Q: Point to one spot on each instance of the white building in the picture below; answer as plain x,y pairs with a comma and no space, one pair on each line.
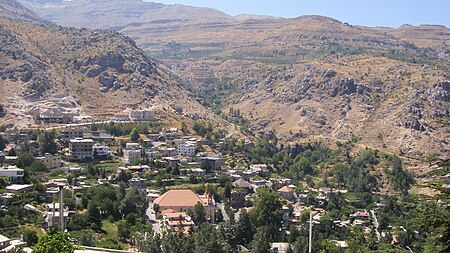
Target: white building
100,150
130,155
141,115
12,172
50,161
187,149
80,148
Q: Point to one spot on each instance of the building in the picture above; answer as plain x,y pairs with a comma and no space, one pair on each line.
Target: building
187,149
131,155
183,200
279,247
54,118
141,115
7,245
98,136
50,161
19,188
174,221
14,174
71,133
80,148
286,192
212,162
260,169
53,215
137,182
100,151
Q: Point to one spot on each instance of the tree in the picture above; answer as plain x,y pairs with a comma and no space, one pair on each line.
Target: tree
2,144
267,211
30,236
123,230
54,242
208,239
198,213
134,135
25,160
244,229
133,202
94,216
46,142
184,127
261,242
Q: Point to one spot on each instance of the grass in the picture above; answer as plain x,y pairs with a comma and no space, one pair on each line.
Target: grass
110,230
352,196
109,167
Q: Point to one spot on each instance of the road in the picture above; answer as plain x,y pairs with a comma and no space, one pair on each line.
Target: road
224,213
376,225
151,216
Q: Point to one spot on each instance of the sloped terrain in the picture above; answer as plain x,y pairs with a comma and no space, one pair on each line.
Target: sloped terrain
100,73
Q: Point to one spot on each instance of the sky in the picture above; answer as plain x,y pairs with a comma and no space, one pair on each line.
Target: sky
389,13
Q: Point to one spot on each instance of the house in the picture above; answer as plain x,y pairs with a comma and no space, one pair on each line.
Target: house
131,155
167,152
71,133
7,197
340,244
242,184
50,161
137,182
212,162
100,151
80,148
286,192
53,215
8,245
187,149
19,188
152,195
99,136
14,174
279,247
362,215
260,169
174,221
183,200
198,171
141,115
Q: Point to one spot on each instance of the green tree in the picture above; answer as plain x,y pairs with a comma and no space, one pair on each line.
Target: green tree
123,230
208,239
30,236
2,143
46,142
94,216
267,211
54,242
261,241
134,135
198,214
24,160
244,229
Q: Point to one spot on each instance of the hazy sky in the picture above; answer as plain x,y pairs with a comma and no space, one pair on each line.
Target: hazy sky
392,13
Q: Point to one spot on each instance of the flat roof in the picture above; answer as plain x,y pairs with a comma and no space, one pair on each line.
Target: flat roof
18,186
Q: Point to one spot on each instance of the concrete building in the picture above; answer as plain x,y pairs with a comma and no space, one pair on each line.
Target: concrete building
81,148
286,192
53,215
14,174
187,149
137,182
19,188
50,161
100,151
131,155
141,115
71,133
212,162
183,200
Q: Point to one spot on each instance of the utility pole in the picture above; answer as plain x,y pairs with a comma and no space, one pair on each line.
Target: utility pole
61,209
310,231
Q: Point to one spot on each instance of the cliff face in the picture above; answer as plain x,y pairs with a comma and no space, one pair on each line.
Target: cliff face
15,10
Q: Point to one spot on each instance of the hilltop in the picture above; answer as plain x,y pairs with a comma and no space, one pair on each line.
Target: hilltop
13,9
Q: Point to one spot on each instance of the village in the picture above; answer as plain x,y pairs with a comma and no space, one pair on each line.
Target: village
176,171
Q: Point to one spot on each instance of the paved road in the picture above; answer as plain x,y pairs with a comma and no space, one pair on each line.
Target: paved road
224,213
151,216
376,225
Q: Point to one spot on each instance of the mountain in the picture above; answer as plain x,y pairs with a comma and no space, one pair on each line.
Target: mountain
84,72
15,10
116,14
306,78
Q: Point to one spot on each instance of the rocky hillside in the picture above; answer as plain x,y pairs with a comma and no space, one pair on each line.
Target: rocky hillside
13,9
96,73
116,14
308,77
